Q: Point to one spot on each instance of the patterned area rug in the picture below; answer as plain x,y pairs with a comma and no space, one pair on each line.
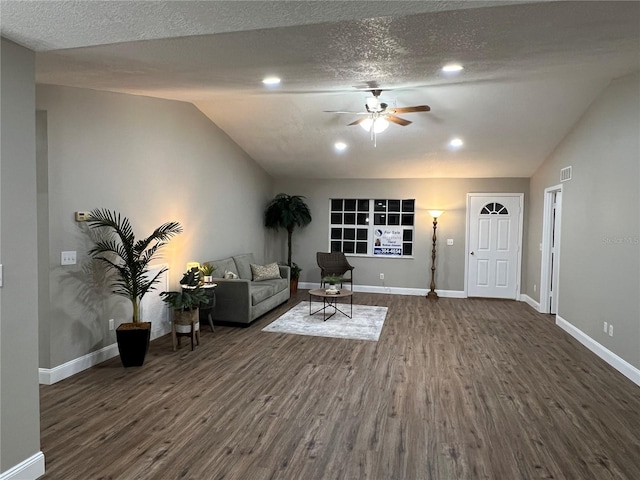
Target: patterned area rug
366,323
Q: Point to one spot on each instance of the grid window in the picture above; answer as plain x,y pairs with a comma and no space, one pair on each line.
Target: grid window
372,227
349,218
350,205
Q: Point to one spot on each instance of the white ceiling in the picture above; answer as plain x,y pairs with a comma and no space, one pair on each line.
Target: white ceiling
531,70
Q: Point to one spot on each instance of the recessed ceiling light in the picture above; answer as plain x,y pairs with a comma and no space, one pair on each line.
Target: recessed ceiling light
340,146
452,67
271,81
456,142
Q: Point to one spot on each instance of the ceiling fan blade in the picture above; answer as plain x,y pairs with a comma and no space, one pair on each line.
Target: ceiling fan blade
341,111
419,108
397,120
357,122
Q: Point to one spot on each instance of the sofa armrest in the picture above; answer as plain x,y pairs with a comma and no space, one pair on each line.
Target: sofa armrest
285,272
233,300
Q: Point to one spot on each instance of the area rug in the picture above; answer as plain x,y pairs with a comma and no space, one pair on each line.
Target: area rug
366,323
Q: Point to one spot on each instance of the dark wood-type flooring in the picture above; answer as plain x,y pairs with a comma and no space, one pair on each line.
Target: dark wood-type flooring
454,389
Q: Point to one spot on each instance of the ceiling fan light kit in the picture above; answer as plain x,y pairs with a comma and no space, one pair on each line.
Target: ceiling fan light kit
378,125
379,115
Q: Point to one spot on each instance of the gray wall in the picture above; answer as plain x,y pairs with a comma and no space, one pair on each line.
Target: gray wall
599,259
154,161
443,194
19,395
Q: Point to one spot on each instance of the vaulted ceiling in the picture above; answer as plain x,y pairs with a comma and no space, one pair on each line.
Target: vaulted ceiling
530,70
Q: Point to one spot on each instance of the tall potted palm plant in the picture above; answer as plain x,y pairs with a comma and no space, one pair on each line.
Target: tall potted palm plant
288,211
129,259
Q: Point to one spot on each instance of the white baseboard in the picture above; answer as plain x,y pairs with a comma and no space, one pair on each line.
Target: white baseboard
392,290
530,301
624,367
29,469
49,376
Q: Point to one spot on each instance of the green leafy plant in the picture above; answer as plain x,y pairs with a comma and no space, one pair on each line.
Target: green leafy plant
191,278
287,211
185,299
207,269
295,270
127,257
332,279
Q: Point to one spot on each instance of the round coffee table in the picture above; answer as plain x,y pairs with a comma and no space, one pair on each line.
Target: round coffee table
330,300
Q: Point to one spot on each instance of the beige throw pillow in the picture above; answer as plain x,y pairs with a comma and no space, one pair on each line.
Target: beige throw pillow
265,272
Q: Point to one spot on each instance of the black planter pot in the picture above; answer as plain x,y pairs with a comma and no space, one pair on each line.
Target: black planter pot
133,343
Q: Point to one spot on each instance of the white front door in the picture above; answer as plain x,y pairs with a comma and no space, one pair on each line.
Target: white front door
494,226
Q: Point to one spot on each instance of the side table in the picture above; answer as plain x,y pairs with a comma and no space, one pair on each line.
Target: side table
206,309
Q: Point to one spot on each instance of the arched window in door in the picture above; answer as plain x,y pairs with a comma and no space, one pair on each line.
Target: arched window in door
494,208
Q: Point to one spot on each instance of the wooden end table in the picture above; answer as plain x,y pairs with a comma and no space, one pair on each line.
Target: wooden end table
330,300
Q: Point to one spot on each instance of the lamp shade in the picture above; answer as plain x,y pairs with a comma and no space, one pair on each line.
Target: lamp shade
191,265
372,103
436,213
380,124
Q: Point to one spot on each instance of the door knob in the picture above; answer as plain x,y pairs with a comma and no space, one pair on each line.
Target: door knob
472,253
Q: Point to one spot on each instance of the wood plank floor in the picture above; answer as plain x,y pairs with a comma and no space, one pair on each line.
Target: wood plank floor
454,389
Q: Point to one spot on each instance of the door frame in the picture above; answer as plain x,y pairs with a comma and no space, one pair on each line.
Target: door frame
547,229
520,233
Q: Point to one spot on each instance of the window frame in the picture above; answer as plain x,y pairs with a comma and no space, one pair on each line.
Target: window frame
353,225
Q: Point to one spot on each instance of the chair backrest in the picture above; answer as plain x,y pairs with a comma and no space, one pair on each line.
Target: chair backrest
334,263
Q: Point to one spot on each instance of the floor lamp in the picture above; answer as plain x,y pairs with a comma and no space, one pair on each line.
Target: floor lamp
432,292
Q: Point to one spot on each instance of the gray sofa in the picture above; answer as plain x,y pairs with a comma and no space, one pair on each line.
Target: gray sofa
240,301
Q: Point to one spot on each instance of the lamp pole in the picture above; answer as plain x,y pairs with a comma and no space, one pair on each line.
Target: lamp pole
432,292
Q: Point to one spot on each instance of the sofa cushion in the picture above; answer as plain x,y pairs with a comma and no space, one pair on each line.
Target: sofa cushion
221,266
265,272
260,292
243,265
278,284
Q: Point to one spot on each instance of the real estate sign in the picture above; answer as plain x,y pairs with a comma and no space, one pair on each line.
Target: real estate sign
387,242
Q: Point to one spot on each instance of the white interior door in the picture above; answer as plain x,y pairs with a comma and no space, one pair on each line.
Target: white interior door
494,226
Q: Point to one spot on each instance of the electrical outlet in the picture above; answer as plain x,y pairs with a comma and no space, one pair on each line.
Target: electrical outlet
82,216
611,330
382,276
535,288
605,327
449,241
111,324
68,258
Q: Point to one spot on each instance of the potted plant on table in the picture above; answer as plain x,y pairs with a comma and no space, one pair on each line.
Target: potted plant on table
288,212
129,259
185,305
332,280
207,271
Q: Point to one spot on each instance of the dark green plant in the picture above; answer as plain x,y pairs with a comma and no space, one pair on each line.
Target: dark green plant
295,270
191,278
287,211
127,257
332,279
185,299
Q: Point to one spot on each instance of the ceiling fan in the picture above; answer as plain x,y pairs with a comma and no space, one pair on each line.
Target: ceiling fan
378,114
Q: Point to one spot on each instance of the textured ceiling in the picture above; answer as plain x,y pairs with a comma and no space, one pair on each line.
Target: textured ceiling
531,70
